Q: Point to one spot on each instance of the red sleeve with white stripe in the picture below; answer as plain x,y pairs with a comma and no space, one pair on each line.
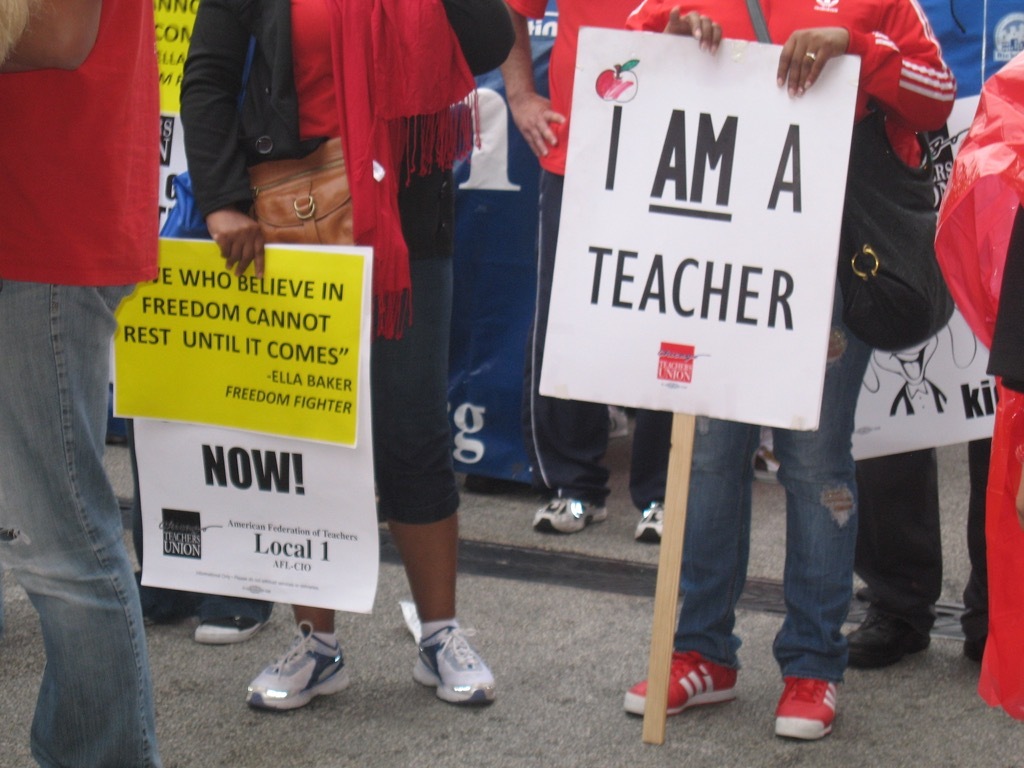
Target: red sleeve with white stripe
902,69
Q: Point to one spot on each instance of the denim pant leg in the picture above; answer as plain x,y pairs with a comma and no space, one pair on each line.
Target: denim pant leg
818,472
61,533
716,547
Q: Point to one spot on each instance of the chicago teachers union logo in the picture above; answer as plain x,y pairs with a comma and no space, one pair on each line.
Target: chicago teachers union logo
182,533
675,363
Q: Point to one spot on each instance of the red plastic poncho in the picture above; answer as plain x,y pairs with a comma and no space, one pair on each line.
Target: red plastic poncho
985,188
975,222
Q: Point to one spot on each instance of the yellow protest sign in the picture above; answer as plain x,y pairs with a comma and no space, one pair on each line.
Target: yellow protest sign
279,355
174,20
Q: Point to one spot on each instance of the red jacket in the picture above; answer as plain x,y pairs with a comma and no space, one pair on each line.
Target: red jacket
902,70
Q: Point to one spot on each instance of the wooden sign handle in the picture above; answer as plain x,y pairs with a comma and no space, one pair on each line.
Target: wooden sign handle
666,593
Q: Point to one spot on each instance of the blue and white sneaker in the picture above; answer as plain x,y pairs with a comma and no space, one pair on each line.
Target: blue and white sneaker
448,662
310,668
565,515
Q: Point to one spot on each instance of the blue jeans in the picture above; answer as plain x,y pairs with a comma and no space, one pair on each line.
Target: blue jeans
817,472
61,534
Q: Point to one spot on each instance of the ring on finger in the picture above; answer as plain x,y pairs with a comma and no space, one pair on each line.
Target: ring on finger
811,55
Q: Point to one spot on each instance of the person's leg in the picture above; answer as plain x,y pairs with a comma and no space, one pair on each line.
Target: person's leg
898,555
416,485
648,471
61,533
418,496
566,439
648,467
899,543
321,619
716,548
974,620
817,470
429,553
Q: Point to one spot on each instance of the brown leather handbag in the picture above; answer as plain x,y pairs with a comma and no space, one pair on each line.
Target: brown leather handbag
306,200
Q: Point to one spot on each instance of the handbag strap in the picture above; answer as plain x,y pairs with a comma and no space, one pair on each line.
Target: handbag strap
757,19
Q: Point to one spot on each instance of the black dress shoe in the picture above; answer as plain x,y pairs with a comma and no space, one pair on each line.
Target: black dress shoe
883,640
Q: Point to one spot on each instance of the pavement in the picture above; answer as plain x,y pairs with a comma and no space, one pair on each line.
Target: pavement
565,623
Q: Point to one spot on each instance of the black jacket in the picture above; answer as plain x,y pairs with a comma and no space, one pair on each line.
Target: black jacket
222,138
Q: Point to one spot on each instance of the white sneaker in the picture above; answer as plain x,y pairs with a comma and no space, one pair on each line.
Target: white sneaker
310,668
450,664
567,516
649,527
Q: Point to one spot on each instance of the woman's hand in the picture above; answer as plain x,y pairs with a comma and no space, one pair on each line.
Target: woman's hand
240,240
693,24
805,53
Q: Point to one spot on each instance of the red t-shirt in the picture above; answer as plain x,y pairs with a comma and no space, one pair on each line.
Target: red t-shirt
572,14
313,69
79,153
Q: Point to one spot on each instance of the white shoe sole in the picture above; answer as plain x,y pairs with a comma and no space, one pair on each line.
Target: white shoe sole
336,682
801,728
480,693
211,634
635,703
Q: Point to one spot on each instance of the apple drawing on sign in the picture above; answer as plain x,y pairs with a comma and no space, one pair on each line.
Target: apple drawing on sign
618,84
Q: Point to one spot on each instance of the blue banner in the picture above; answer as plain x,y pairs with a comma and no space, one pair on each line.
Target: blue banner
495,283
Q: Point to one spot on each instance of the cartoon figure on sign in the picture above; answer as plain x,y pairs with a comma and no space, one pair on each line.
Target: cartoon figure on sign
618,84
911,364
918,392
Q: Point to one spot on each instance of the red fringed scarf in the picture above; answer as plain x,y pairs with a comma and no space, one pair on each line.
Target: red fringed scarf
403,89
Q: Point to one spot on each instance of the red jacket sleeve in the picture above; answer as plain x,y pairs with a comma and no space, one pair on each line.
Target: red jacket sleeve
902,70
649,16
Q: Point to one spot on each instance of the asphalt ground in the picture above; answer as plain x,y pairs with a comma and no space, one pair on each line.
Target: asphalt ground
564,622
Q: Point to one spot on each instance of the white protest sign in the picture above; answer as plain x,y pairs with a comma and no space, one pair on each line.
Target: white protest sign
936,393
254,511
238,513
700,223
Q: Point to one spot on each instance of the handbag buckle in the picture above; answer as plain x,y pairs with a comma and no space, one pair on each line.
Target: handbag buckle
305,210
867,250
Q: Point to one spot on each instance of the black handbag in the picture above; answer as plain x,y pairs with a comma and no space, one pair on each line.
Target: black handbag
894,295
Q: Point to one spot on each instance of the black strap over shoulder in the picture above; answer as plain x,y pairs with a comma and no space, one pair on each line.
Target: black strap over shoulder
757,19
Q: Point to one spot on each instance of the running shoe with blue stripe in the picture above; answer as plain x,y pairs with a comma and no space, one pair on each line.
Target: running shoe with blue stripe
450,664
310,668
